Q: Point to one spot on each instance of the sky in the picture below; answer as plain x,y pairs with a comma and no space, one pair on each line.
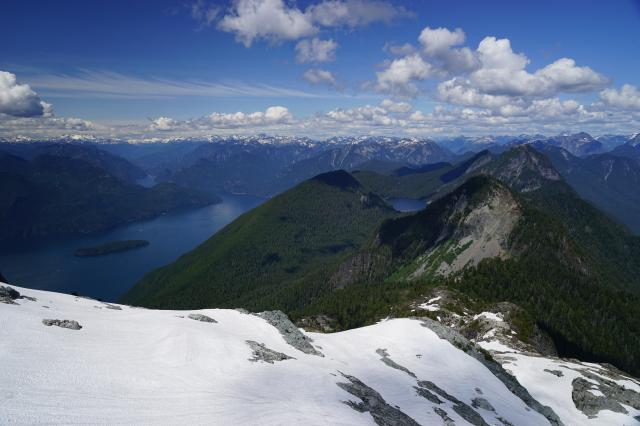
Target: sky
168,68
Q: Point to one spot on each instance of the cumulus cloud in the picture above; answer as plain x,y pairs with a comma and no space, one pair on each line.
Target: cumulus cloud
503,72
400,74
268,19
273,115
628,97
163,124
319,76
274,20
399,49
19,99
316,50
490,76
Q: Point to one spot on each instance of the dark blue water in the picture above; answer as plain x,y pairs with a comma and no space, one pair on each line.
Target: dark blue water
52,265
407,204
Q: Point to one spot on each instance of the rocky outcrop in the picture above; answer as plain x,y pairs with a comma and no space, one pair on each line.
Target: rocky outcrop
320,323
507,379
462,409
264,354
70,324
291,334
372,402
391,363
8,295
203,318
596,394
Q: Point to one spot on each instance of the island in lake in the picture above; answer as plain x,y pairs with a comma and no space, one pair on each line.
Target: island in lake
110,247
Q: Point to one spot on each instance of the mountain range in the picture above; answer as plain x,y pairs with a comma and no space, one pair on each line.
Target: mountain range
64,190
500,228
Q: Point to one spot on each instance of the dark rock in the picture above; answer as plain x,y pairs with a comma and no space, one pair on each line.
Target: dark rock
264,354
70,324
110,306
446,420
556,373
321,323
463,410
383,414
613,395
507,379
289,331
482,403
8,295
203,318
426,394
385,358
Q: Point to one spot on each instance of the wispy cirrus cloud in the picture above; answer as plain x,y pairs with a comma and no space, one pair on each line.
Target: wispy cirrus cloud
108,84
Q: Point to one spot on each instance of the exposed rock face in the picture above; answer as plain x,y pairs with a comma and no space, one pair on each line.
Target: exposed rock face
203,318
70,324
507,379
391,363
482,231
591,398
446,420
383,414
463,410
556,373
482,403
289,331
264,354
321,323
113,307
8,295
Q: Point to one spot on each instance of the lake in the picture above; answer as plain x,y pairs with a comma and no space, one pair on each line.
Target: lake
52,266
407,204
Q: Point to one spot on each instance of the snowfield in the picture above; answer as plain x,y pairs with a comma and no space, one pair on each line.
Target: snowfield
130,365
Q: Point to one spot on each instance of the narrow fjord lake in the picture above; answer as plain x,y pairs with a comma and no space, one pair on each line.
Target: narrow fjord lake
52,265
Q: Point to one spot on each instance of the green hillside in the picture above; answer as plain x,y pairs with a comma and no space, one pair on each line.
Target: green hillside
274,256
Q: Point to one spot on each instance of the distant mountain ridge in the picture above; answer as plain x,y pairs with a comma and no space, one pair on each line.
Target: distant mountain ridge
508,219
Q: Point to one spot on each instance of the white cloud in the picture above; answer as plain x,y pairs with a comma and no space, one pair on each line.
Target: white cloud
399,49
163,124
268,19
19,99
273,115
275,20
436,41
439,46
316,50
399,75
318,76
628,97
503,73
354,13
397,107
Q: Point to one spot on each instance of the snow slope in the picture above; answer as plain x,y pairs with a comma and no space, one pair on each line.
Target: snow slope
138,366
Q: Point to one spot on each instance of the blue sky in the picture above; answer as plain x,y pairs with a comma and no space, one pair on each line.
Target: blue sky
119,65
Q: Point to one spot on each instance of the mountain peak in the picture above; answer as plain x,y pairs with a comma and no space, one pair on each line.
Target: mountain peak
339,178
523,168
